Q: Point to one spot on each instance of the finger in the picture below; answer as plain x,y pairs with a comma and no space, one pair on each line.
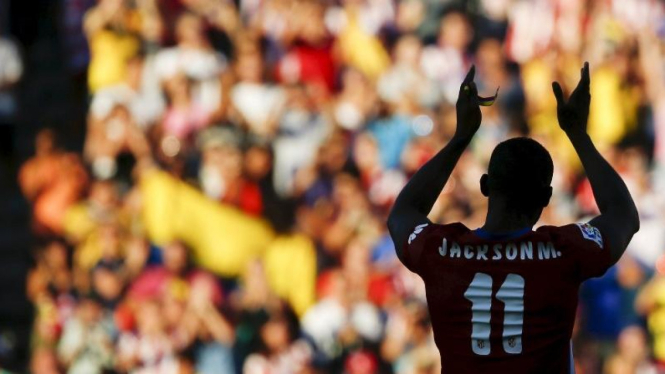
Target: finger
585,75
582,89
470,75
558,93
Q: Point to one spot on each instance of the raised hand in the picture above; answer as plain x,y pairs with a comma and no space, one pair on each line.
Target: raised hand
573,115
468,107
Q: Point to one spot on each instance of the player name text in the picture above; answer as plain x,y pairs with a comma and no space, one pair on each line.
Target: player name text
510,251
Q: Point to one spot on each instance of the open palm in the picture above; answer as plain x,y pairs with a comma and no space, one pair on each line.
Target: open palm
574,113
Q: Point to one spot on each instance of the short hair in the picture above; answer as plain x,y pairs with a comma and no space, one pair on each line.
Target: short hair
521,169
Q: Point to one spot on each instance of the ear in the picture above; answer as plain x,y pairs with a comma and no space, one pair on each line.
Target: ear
484,185
547,195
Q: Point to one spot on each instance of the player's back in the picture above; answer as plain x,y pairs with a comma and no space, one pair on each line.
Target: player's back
504,304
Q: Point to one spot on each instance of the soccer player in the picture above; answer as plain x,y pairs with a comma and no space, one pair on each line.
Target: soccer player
502,297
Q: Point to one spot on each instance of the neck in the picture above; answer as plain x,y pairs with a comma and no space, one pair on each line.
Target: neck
501,219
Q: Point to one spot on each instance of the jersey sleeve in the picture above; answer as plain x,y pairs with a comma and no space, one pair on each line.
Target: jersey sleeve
415,246
588,247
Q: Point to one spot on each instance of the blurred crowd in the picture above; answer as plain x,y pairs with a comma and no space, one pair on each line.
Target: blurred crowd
227,213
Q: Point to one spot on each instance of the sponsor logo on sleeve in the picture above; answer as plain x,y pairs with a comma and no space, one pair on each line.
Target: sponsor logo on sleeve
591,233
417,231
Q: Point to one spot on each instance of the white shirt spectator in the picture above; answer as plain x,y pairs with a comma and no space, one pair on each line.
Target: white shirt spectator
146,107
328,317
301,134
87,348
446,67
203,66
532,25
292,360
373,16
155,354
258,104
401,82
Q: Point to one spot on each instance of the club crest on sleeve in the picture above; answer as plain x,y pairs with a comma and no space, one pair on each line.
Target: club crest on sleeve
591,233
417,231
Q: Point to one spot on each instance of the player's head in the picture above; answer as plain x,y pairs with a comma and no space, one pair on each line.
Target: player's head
520,172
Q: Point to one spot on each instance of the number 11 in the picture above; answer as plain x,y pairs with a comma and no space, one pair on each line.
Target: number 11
511,294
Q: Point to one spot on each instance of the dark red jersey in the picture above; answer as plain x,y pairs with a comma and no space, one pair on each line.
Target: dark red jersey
504,304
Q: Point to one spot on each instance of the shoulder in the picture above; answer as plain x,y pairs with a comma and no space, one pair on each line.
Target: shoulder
429,229
423,238
574,232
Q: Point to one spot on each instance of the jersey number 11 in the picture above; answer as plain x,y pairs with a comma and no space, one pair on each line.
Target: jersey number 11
511,294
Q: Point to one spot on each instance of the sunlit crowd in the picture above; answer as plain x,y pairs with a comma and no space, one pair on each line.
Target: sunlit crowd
227,212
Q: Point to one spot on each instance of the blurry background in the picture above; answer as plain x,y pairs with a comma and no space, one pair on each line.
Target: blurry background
202,185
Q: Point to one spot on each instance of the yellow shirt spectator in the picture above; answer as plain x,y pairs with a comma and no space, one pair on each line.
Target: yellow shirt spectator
112,32
109,53
362,50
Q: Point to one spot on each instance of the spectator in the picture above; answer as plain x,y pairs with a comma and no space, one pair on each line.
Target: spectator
632,355
194,58
404,85
110,27
87,340
359,45
183,116
302,129
221,172
281,350
446,62
251,92
143,102
149,349
52,180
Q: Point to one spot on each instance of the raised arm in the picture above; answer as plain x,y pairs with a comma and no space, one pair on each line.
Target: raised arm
100,16
618,220
415,201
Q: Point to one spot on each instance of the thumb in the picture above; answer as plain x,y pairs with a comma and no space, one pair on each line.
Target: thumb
558,93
